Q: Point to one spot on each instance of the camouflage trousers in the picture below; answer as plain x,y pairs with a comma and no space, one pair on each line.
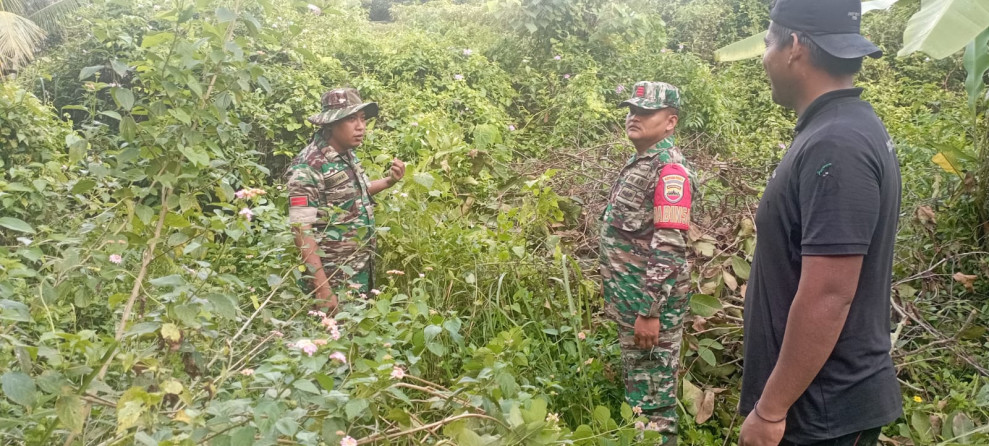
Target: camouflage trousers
651,375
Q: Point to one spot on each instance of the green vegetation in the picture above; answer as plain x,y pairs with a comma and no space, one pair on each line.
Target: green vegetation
139,304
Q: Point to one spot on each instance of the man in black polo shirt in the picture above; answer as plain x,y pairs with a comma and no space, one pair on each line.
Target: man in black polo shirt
817,326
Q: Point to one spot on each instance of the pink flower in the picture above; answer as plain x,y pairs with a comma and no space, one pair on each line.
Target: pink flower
511,128
335,333
566,76
115,258
619,89
317,313
314,9
681,47
557,57
637,410
339,357
397,373
652,426
467,52
782,146
364,296
581,336
348,441
458,77
246,213
662,50
395,272
640,425
307,346
277,333
247,372
375,291
241,194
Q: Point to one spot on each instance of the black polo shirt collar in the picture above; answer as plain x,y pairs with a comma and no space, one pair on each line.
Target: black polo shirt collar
822,102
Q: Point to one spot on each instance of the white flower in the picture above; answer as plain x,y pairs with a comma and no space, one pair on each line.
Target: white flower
581,336
553,418
467,52
421,275
26,241
557,57
115,258
397,373
348,441
511,128
308,347
247,372
637,410
314,9
458,77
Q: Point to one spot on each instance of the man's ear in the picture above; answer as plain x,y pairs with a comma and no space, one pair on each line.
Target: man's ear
797,48
673,120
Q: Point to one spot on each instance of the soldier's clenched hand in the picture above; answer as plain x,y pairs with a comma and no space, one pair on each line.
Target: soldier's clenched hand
646,332
396,172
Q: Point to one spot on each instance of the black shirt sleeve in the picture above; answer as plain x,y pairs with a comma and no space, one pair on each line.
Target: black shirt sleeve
839,186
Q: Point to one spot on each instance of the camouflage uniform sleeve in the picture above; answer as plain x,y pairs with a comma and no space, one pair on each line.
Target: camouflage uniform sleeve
668,247
305,191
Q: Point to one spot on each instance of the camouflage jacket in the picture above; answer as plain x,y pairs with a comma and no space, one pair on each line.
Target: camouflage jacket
330,191
644,235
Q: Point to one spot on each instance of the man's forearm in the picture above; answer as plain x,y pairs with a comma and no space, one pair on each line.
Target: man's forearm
379,185
310,253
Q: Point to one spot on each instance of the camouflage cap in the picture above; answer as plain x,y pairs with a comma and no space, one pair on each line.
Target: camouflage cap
653,96
340,103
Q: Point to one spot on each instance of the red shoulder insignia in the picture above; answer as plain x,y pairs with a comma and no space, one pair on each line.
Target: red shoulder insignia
298,200
672,200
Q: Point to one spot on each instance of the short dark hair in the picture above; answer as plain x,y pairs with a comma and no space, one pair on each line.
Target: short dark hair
780,35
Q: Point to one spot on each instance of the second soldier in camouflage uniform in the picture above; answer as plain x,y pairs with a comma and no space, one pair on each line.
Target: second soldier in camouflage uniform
644,255
330,199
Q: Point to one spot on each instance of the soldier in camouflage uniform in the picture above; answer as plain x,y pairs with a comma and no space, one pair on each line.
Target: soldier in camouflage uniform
644,255
330,199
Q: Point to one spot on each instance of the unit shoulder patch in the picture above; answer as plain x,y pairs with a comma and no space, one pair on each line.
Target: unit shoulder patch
673,199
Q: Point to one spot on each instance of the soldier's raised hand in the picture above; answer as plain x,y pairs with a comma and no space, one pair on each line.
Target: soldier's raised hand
396,172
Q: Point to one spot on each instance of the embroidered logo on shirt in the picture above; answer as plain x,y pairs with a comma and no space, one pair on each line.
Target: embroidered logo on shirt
673,188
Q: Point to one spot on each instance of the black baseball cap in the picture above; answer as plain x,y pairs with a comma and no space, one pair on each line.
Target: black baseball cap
834,25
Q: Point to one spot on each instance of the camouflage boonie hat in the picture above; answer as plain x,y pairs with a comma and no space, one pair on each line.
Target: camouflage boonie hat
653,96
340,103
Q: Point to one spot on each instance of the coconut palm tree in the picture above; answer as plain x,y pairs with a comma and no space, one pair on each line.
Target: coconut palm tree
24,24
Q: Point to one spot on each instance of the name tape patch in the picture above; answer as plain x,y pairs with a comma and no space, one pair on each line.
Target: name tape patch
300,200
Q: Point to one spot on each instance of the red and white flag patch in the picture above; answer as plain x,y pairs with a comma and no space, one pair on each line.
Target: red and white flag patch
672,199
298,200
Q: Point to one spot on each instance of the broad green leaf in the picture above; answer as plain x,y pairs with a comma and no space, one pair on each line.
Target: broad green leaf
13,310
171,280
119,67
69,409
19,388
976,62
89,71
124,97
601,416
82,186
741,267
16,224
693,396
921,423
424,178
77,147
306,386
128,128
951,159
224,15
942,27
155,39
743,49
705,305
355,408
707,355
195,155
961,425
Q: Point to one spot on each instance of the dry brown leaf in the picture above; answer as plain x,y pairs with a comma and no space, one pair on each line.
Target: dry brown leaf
926,215
967,280
730,280
700,323
706,409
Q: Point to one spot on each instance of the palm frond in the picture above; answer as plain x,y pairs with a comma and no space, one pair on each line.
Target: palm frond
19,39
14,6
51,17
